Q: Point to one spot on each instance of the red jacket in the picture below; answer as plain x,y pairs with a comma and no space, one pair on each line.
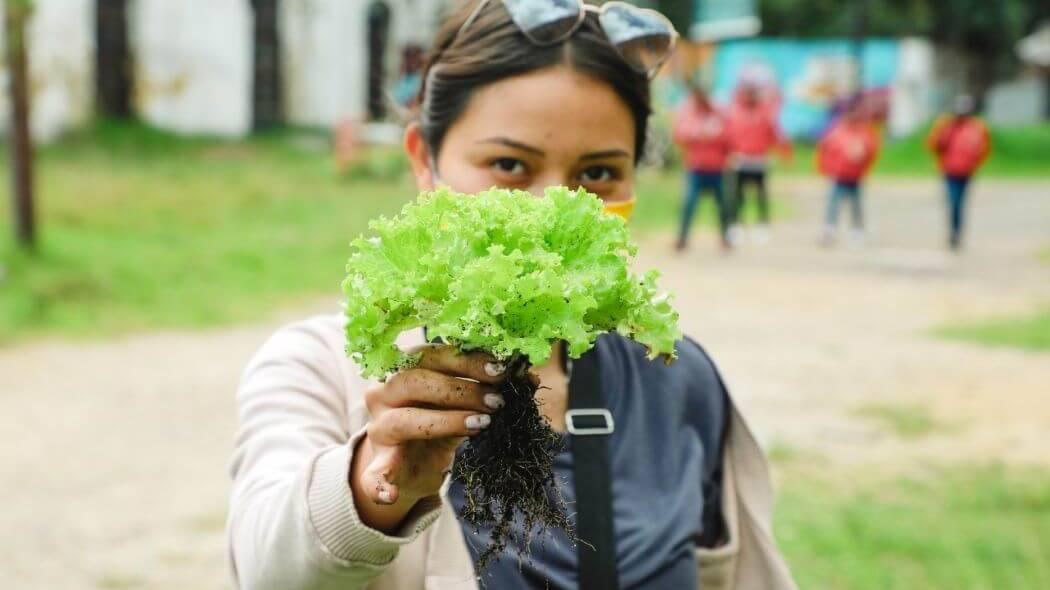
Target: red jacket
848,151
961,145
753,131
701,133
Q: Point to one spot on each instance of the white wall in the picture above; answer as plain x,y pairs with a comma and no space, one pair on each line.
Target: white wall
415,21
1017,102
912,103
325,54
193,61
193,64
61,72
324,60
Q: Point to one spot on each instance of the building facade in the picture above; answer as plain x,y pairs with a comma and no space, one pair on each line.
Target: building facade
192,61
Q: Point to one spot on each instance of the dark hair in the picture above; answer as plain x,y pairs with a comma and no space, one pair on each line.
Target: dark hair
492,48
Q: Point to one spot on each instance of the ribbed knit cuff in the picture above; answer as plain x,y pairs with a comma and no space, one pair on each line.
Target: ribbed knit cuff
337,523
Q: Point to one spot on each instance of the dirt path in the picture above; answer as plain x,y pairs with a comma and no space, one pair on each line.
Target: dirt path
124,485
815,342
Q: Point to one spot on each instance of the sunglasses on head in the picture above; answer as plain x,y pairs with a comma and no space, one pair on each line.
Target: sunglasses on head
644,38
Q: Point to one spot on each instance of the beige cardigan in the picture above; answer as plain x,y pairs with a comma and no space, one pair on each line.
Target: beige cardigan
292,523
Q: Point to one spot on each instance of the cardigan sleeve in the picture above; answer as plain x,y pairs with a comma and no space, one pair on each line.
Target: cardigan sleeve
292,521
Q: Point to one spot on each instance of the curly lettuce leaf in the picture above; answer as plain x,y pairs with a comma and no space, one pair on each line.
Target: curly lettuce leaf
500,271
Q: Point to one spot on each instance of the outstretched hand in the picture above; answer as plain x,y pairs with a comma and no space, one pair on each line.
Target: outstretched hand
419,416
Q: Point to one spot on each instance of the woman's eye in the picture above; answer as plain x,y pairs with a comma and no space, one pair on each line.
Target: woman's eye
597,174
509,166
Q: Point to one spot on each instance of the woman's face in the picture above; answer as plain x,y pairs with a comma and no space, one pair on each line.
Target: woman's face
545,128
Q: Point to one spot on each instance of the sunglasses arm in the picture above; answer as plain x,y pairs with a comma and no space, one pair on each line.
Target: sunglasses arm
473,17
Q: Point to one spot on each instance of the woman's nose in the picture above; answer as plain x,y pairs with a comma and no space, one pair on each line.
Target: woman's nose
554,178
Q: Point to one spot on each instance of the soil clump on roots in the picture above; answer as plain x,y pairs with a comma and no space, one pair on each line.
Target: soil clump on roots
508,469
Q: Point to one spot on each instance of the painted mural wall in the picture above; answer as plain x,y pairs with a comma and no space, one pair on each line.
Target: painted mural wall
814,77
812,80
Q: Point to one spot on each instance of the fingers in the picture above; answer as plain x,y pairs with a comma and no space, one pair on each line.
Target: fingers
474,365
448,396
377,478
400,425
415,387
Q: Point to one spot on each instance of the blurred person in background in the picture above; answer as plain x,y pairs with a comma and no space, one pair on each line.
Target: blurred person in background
341,482
406,87
700,132
753,135
845,155
961,142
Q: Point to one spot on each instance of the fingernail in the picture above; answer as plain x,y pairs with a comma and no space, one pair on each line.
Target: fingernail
494,369
384,496
478,421
494,401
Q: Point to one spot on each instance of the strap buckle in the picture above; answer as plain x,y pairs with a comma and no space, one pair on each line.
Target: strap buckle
589,421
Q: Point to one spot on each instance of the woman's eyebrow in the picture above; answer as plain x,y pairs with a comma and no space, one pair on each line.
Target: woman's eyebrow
514,144
605,154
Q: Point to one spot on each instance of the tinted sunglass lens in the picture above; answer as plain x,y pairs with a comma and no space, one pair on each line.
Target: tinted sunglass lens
644,37
545,21
645,54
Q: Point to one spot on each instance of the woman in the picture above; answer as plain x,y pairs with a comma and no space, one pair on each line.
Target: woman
961,143
700,131
333,487
845,155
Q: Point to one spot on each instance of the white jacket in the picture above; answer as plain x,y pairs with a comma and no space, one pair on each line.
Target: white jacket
292,522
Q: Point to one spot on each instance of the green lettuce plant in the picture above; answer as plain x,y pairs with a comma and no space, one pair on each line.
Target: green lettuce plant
510,274
500,271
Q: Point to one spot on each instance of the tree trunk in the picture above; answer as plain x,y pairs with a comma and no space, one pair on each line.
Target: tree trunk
860,35
378,30
267,107
1046,96
980,77
113,67
16,15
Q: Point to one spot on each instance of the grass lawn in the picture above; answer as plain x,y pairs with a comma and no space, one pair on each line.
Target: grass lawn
1029,332
909,421
979,528
144,230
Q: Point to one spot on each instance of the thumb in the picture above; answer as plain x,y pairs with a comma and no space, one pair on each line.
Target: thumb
381,473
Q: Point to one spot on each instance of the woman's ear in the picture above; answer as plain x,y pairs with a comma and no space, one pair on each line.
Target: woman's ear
419,157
